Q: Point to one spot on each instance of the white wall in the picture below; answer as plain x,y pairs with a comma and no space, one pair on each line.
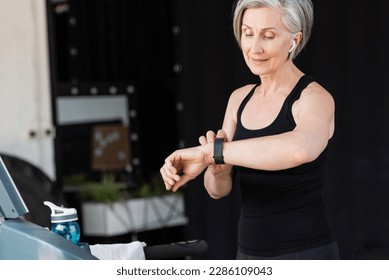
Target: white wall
24,83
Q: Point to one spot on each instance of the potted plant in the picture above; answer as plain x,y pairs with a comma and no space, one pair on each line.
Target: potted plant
103,207
110,208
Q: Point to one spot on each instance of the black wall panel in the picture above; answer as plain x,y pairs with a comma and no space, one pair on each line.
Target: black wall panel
97,45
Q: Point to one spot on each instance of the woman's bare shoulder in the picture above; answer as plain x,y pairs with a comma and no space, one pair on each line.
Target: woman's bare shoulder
318,88
315,98
316,91
241,92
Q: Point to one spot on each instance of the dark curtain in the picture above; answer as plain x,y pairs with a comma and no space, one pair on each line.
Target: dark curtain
347,55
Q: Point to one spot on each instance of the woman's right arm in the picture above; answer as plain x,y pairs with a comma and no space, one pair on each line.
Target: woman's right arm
218,179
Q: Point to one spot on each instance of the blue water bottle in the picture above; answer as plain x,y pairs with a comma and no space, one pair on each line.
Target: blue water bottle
64,222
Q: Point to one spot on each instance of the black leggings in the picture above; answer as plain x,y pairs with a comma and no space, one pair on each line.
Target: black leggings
326,252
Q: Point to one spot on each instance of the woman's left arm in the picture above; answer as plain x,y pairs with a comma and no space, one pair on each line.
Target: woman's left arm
314,117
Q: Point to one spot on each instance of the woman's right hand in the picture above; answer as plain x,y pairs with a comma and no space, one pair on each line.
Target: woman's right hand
217,178
209,137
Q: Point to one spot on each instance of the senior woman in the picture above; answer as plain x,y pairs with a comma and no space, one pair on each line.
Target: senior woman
275,136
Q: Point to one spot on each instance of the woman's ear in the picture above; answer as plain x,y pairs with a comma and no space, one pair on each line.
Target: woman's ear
296,40
293,46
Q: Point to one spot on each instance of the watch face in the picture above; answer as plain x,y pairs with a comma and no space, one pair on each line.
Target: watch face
218,150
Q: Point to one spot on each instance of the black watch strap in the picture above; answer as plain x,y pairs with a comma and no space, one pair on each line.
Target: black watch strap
218,150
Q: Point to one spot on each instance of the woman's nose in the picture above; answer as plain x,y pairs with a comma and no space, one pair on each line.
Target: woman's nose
257,45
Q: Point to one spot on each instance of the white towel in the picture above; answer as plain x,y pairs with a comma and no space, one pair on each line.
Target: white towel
119,251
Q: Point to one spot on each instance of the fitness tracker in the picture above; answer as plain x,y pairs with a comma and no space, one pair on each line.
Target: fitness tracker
218,150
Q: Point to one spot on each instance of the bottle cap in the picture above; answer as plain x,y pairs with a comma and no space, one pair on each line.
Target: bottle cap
61,214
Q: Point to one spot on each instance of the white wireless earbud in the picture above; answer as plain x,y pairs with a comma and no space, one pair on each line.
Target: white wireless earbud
292,48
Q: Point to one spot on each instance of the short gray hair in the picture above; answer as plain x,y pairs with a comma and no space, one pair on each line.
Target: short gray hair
297,16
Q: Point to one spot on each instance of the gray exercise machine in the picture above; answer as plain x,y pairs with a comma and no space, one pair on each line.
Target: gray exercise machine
24,240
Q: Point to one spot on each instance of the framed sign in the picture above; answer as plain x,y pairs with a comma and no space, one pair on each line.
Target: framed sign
110,147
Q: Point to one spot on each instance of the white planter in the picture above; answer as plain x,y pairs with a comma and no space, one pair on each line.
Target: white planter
134,215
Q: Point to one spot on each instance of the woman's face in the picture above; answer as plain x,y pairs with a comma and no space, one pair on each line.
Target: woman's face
265,40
